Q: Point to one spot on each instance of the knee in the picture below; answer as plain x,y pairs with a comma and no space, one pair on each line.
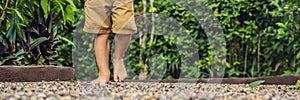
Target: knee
117,57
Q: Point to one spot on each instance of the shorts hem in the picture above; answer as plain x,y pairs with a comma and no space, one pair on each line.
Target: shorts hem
126,32
96,31
109,31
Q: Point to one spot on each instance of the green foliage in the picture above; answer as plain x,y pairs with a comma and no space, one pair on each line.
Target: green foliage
31,31
256,83
83,57
251,86
56,80
288,72
297,85
71,80
262,37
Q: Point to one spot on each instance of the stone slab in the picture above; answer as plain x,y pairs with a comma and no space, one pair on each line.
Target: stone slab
35,73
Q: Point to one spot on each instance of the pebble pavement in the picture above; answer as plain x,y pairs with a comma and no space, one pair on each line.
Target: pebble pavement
81,90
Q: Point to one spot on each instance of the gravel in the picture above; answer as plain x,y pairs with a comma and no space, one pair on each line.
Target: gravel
79,90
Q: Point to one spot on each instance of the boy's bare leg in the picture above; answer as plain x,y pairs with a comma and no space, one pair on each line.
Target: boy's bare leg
102,48
122,42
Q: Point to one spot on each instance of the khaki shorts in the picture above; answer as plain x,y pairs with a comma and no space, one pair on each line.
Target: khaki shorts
109,16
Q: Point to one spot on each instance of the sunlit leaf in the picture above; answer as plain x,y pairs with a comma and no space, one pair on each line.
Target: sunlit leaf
287,73
70,13
66,40
297,84
298,71
71,2
280,32
44,4
281,25
256,83
298,55
19,14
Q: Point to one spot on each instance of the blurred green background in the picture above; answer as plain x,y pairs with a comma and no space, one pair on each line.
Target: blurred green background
262,37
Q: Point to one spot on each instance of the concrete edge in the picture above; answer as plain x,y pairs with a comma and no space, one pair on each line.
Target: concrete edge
11,73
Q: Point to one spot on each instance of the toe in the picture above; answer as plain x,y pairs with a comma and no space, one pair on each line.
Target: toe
121,79
116,78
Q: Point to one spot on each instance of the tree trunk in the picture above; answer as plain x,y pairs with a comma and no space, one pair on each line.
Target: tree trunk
245,60
144,71
152,36
258,53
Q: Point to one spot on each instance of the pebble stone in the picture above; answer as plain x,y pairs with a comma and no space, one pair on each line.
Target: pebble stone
81,90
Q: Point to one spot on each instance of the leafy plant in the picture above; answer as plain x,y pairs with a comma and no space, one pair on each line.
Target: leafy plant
72,80
262,37
251,86
288,72
297,85
256,83
31,30
56,80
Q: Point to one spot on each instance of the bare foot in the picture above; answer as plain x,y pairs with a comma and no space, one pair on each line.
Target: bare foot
119,70
100,80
